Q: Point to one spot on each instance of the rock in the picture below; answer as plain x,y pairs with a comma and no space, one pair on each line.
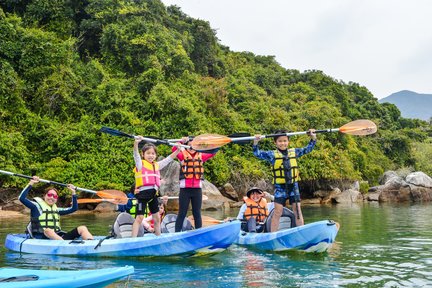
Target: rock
311,201
327,196
419,179
387,176
401,194
419,193
15,205
348,196
229,192
170,184
373,196
105,207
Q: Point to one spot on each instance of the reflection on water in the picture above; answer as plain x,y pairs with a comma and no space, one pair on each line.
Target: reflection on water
377,246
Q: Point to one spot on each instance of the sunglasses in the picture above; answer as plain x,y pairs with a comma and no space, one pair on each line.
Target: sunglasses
52,195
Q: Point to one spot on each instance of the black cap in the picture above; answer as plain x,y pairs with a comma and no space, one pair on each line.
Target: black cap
249,192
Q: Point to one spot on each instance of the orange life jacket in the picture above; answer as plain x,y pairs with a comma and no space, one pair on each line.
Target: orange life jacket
191,166
254,209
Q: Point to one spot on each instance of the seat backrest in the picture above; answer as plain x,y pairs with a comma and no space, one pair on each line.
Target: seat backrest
168,224
287,220
122,227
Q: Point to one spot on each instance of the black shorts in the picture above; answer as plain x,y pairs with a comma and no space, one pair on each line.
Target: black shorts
71,235
147,198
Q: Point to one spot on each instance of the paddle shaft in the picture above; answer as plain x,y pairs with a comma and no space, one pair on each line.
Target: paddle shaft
115,132
46,181
238,139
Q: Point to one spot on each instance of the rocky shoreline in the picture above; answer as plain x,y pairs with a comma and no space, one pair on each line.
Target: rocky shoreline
393,188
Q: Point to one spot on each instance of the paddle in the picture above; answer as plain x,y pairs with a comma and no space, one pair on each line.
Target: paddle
212,141
207,221
115,132
113,194
120,201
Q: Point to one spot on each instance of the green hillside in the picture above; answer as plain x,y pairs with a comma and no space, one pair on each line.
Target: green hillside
411,104
69,67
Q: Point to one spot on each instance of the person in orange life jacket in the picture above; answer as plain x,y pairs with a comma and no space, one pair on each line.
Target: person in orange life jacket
254,211
191,176
45,215
285,174
148,222
147,182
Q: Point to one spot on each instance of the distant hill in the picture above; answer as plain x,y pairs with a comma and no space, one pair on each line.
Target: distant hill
411,104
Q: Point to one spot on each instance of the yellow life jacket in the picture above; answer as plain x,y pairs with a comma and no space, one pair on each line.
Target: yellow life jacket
281,172
254,209
148,176
191,166
132,211
49,218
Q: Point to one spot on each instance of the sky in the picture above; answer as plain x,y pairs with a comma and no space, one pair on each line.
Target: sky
384,45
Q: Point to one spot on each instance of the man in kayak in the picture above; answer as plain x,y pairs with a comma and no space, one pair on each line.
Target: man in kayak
45,215
254,211
285,173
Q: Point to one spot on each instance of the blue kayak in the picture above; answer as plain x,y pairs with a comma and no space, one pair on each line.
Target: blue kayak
22,278
313,237
208,240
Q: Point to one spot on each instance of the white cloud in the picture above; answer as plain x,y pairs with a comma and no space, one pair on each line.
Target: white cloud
384,45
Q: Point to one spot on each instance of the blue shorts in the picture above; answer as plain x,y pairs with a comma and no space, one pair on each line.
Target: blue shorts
289,192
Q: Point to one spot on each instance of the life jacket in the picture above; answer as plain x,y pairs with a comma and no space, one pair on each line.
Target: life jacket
254,209
285,168
132,211
148,176
49,218
191,166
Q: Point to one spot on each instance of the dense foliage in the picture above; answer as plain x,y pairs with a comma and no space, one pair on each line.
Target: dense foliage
69,67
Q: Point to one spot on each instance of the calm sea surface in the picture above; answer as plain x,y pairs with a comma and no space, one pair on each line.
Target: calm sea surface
377,246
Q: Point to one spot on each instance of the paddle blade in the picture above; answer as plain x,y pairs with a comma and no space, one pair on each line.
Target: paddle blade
99,200
209,141
115,132
359,127
89,200
116,195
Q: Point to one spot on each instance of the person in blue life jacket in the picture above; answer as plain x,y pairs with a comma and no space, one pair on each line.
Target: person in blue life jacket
45,215
285,173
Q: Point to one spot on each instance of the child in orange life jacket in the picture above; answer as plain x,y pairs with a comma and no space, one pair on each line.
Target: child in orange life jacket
254,211
285,174
191,178
148,222
147,183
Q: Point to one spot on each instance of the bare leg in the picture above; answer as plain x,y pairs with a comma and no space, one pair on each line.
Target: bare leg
277,213
157,224
85,234
50,233
136,225
298,214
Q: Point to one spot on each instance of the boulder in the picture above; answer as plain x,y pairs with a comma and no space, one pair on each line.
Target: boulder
229,192
326,196
373,196
419,179
387,176
105,207
348,196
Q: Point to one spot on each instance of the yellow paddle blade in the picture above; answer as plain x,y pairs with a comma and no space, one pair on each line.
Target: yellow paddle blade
209,141
359,127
